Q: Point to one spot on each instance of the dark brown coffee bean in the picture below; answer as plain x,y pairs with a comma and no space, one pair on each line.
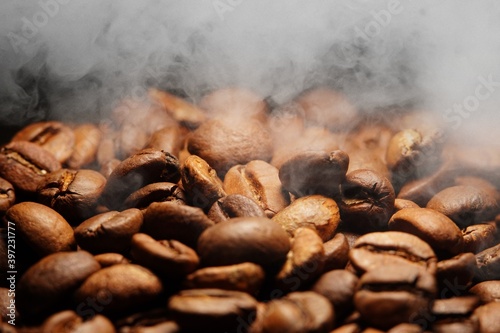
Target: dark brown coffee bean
465,205
259,181
167,258
488,264
109,232
456,272
24,164
156,192
454,315
7,196
304,262
53,136
367,200
234,205
487,291
433,227
478,237
42,228
487,316
377,249
224,144
336,252
169,220
121,288
314,172
200,182
143,168
253,239
315,211
72,193
47,285
393,294
110,259
167,139
339,287
87,140
69,322
247,277
216,309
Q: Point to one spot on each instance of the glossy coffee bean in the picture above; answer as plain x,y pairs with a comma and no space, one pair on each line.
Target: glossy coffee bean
432,226
110,259
167,258
47,285
253,239
234,205
121,288
156,192
487,291
406,328
43,229
478,237
7,196
403,203
24,164
455,315
198,309
336,252
109,232
314,172
488,264
87,139
457,272
487,315
69,322
72,193
315,211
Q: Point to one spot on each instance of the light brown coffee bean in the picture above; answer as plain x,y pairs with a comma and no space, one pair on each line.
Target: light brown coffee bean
406,328
168,139
87,139
487,316
487,291
69,322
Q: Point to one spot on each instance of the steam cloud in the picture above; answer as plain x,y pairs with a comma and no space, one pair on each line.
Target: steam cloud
71,59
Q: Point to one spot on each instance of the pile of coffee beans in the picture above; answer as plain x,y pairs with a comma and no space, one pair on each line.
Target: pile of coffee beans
234,214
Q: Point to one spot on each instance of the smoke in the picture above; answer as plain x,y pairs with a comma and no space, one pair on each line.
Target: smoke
73,60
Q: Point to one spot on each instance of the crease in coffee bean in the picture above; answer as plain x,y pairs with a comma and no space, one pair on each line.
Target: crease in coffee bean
10,154
395,251
45,135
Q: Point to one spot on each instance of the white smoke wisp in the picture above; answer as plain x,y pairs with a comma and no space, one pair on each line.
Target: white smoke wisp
72,59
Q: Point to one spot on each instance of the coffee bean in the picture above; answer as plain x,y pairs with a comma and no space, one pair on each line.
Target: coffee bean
53,136
6,309
403,203
348,328
72,193
314,172
487,316
110,259
24,164
487,291
87,140
465,205
259,181
454,315
253,239
106,150
168,139
478,237
169,220
488,264
384,305
156,192
108,167
367,200
167,258
234,205
406,328
7,196
42,228
315,211
69,322
457,271
216,309
478,182
246,277
336,252
47,285
367,159
121,288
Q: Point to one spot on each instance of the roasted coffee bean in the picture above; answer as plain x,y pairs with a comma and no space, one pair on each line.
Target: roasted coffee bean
304,262
480,183
200,182
234,205
47,285
72,193
455,308
406,328
433,227
315,211
377,249
253,239
143,168
339,287
108,167
259,181
224,144
314,172
296,312
167,139
120,288
53,136
167,258
7,196
87,140
7,310
106,150
247,277
457,271
109,232
216,309
487,291
156,192
487,315
367,159
403,203
488,264
465,205
24,164
367,200
69,322
163,327
348,328
110,259
478,237
389,295
42,228
169,220
336,252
